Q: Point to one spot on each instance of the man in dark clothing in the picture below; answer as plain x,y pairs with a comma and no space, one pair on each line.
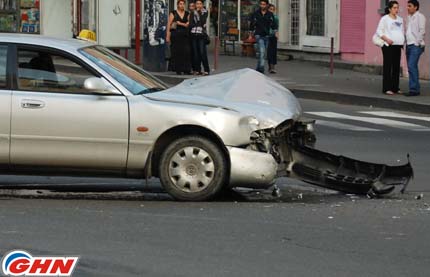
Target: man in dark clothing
262,21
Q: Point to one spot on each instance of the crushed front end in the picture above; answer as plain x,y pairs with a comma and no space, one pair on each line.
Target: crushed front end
292,145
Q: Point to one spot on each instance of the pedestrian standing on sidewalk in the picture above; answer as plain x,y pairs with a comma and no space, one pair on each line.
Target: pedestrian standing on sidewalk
199,39
261,22
191,7
414,45
272,49
391,31
191,10
178,37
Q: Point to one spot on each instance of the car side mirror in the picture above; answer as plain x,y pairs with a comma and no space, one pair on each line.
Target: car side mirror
99,85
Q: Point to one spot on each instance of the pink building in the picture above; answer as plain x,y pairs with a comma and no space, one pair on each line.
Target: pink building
358,22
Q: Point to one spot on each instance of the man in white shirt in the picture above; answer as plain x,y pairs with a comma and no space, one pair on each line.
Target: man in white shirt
414,44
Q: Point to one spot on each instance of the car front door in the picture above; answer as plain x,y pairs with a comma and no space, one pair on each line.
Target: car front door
5,106
57,122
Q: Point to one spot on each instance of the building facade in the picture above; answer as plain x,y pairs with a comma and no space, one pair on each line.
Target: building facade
47,17
305,25
359,20
309,25
358,28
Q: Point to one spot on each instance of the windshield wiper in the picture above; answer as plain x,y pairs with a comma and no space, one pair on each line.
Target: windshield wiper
150,90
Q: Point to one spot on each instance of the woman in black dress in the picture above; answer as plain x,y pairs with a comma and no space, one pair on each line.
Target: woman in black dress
178,37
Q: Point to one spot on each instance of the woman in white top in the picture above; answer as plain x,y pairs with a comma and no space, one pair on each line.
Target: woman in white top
391,30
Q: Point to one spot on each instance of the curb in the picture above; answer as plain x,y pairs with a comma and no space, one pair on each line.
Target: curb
171,80
336,97
362,101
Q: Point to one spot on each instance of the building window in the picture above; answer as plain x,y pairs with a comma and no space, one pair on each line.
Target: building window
295,22
315,14
384,4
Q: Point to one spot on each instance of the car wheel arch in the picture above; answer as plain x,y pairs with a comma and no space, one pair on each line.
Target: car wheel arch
179,131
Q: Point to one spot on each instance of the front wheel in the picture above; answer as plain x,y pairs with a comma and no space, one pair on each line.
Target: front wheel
193,169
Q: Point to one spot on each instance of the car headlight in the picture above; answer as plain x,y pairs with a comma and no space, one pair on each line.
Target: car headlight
252,121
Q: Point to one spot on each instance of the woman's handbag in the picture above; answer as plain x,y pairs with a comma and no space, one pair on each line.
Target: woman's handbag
378,41
207,38
174,26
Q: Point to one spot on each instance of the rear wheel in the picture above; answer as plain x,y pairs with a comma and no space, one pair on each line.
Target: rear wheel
193,169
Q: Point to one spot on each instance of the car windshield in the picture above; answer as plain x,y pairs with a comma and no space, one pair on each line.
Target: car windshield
133,78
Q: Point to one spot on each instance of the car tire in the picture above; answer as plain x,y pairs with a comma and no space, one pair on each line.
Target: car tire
193,168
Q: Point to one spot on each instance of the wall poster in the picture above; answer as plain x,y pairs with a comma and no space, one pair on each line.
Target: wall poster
155,18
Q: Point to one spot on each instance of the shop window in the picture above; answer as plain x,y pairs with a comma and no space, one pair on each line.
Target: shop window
229,20
88,14
247,8
3,65
45,72
9,16
30,16
20,16
315,13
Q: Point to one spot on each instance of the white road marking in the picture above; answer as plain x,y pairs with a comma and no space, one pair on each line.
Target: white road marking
309,85
373,120
344,126
398,115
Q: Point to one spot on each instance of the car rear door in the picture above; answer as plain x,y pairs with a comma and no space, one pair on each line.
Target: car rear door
5,105
57,122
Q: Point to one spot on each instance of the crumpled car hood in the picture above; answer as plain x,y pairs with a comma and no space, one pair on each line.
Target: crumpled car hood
246,91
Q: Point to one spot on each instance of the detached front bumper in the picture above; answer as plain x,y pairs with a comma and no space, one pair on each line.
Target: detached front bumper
292,146
252,169
345,174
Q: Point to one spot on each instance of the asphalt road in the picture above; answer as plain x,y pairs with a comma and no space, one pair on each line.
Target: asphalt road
128,228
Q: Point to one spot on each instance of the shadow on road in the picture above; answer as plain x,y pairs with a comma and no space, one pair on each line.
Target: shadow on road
152,191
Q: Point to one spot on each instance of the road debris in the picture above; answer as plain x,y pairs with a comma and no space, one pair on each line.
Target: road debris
419,196
276,192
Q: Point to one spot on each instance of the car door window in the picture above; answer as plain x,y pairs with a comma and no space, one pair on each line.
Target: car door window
3,65
46,72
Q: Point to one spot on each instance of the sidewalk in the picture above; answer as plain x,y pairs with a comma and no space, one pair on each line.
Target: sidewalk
313,81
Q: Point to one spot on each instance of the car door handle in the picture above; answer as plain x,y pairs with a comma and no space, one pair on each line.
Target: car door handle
32,104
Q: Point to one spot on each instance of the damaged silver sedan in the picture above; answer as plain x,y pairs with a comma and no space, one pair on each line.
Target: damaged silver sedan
74,108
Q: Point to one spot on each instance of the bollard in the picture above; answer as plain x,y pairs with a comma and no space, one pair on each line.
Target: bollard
332,56
137,34
216,54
